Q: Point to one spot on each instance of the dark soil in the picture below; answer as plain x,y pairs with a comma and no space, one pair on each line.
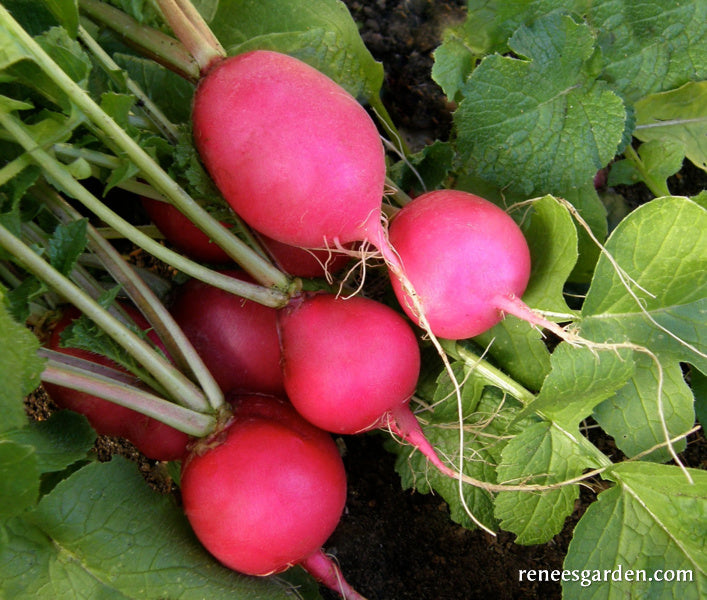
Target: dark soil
394,544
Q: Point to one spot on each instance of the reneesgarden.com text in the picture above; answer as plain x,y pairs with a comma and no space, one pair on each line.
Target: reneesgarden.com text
587,577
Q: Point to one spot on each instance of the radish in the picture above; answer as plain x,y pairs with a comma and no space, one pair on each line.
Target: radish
293,153
266,493
153,438
300,262
351,365
237,339
179,231
466,260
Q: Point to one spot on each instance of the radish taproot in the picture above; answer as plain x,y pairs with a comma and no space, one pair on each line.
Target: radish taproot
466,260
237,339
293,153
352,365
267,491
154,439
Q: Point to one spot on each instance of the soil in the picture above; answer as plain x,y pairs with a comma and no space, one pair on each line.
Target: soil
394,544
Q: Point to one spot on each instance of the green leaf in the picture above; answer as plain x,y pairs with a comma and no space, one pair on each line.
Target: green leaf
11,51
35,17
652,519
66,245
102,533
586,201
67,13
454,61
19,478
542,454
70,57
20,369
485,434
520,349
118,106
636,420
19,299
552,239
541,122
580,379
662,248
425,170
491,22
656,303
444,401
656,161
678,116
319,32
166,89
647,46
61,440
650,46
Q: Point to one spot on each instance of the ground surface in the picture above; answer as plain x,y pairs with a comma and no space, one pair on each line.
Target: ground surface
401,545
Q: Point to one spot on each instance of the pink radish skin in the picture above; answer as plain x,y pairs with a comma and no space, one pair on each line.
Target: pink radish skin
266,492
237,339
351,365
347,362
466,259
294,154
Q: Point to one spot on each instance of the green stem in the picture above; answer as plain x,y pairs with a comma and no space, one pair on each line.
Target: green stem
118,390
386,121
14,168
57,172
150,42
153,112
260,269
176,342
177,385
191,29
658,187
495,376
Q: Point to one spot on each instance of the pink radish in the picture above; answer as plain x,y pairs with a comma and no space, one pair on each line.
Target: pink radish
351,365
467,261
266,493
293,153
237,339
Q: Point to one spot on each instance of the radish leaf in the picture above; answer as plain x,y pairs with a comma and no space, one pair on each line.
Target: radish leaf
653,518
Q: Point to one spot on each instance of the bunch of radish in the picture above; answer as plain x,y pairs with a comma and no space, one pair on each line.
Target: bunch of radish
301,162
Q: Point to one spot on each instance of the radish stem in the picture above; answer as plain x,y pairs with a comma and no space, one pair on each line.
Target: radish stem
176,343
152,43
260,269
119,390
177,385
